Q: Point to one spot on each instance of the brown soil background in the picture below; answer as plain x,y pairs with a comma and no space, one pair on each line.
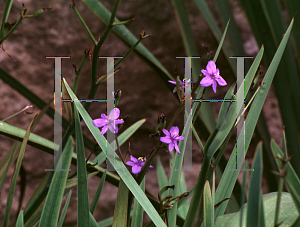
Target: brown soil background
59,33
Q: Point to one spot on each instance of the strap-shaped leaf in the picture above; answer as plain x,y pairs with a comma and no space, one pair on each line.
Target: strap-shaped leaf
56,191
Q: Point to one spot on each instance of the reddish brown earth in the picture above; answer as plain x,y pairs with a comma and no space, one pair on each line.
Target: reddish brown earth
59,33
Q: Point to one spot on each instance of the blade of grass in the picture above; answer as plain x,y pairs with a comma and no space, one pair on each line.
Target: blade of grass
118,165
7,161
82,189
93,221
20,222
253,211
98,193
207,206
15,176
182,211
137,216
120,213
64,211
53,201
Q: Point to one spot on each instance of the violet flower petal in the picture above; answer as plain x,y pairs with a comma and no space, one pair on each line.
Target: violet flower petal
174,130
211,67
177,148
136,169
99,122
166,132
171,147
221,81
114,114
205,73
104,130
206,81
165,139
214,86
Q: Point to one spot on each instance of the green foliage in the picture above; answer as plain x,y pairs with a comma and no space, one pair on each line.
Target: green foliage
280,51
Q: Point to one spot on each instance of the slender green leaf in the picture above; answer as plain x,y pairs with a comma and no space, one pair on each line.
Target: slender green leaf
56,191
120,213
207,205
15,176
82,189
221,42
254,189
64,211
98,193
117,163
137,216
20,222
7,161
93,221
182,211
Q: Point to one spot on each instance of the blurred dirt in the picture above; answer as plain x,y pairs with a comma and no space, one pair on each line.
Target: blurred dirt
58,32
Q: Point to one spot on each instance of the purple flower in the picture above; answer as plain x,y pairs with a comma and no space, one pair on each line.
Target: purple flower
171,138
110,122
136,164
212,76
181,84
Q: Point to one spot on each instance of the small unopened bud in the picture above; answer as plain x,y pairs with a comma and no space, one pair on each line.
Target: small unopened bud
118,96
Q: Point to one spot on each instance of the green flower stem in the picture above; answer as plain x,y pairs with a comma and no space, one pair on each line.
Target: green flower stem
124,22
83,23
4,19
86,54
12,29
128,52
198,192
280,186
94,86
